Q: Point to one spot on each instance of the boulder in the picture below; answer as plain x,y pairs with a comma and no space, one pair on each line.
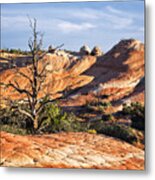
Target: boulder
96,51
85,50
51,49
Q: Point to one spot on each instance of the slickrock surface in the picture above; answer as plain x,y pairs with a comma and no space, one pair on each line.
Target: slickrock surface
69,150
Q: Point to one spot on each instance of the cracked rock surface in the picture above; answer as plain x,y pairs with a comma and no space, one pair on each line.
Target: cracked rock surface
69,150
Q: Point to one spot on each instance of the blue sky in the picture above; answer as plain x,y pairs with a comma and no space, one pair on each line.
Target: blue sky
74,24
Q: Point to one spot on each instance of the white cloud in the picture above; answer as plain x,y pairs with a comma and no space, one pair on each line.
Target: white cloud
113,10
67,26
120,22
85,18
106,17
119,19
88,14
14,22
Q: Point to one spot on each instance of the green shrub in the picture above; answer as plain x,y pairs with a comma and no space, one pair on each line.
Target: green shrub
115,130
102,106
119,131
106,104
13,129
97,105
137,113
107,117
13,118
53,119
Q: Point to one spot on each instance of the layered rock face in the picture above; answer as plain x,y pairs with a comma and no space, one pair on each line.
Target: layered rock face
63,71
69,150
117,75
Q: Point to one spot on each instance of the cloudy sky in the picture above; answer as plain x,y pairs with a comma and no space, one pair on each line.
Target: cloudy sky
74,24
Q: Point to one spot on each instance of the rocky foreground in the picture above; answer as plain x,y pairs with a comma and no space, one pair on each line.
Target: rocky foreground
69,150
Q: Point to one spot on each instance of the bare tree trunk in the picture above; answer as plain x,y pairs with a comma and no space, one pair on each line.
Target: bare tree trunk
35,123
36,79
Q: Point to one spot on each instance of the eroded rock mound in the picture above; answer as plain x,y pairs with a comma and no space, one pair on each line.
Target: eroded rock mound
85,50
116,75
69,150
96,51
63,69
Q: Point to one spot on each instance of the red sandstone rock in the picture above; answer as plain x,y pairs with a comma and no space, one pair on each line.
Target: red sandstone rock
69,150
116,74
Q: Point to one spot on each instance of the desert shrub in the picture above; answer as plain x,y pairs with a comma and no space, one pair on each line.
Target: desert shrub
9,116
12,119
105,104
137,113
89,108
98,105
115,130
15,51
119,131
54,119
101,103
108,117
13,129
102,106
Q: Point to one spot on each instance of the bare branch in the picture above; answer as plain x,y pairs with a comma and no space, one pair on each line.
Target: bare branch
60,46
29,101
26,113
43,105
43,69
25,76
18,89
39,45
31,69
41,57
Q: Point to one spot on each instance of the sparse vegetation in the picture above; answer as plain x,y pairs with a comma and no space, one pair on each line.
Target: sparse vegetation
115,130
16,51
137,114
13,129
98,105
119,131
54,119
108,117
12,120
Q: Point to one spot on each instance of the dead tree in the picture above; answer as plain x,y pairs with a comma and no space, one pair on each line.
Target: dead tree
35,80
